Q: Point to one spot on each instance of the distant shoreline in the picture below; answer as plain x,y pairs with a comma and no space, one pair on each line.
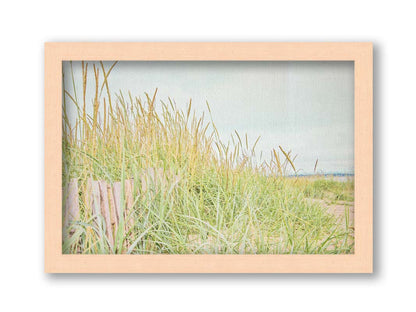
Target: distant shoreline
336,174
341,177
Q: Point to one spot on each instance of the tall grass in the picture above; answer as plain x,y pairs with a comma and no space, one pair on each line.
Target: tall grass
215,197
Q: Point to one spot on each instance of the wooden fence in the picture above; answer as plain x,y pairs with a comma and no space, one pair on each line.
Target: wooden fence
104,199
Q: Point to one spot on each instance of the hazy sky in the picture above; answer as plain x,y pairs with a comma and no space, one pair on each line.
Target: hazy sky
306,107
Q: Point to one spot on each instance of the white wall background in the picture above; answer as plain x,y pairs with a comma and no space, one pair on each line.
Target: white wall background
26,25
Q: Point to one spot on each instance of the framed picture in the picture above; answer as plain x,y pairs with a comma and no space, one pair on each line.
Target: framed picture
208,157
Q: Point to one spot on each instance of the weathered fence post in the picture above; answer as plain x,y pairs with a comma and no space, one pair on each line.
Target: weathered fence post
71,203
105,210
94,189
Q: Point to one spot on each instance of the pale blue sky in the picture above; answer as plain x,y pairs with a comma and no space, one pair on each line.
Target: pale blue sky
307,107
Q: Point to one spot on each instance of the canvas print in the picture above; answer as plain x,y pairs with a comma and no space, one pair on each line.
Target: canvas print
208,157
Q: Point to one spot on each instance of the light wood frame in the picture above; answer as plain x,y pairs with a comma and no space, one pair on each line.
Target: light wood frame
359,262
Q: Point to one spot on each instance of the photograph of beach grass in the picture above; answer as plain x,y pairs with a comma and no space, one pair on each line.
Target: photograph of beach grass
208,157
